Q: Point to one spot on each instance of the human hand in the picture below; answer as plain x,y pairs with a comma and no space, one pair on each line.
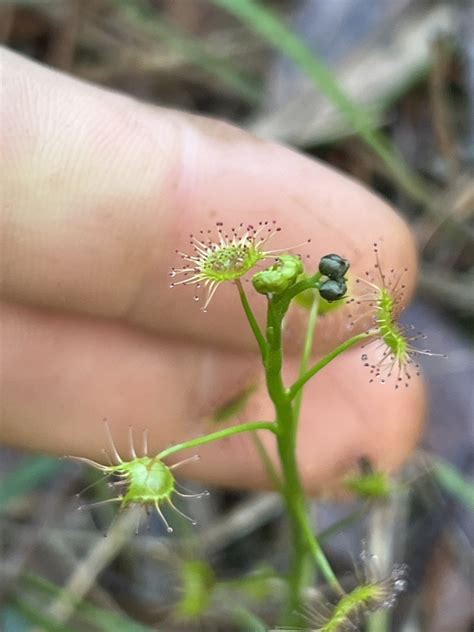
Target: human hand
98,191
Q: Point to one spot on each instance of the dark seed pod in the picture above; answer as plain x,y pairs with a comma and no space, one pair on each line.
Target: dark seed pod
333,266
332,290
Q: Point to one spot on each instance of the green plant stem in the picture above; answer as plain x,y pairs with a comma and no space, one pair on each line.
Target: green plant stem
316,550
303,537
219,434
305,358
286,424
308,347
309,283
259,337
379,621
301,381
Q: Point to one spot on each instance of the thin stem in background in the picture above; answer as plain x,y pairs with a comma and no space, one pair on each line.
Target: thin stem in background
267,462
305,357
308,347
85,574
386,533
344,522
318,554
453,481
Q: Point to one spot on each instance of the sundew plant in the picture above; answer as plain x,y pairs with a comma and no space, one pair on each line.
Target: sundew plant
279,278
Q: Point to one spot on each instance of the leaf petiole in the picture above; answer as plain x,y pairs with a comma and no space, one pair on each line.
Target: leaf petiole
347,344
219,434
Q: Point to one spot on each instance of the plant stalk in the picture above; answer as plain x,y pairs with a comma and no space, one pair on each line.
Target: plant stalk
304,540
259,337
219,434
301,381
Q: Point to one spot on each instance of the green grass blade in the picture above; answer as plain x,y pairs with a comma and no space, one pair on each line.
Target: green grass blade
105,620
454,482
269,26
344,523
231,408
27,476
38,619
248,621
111,621
193,51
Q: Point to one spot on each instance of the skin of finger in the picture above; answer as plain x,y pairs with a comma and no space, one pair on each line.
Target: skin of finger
62,375
101,190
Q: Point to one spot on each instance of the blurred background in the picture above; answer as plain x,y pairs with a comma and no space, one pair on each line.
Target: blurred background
383,90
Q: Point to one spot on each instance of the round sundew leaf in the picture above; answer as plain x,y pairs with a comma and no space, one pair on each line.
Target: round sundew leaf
227,258
149,481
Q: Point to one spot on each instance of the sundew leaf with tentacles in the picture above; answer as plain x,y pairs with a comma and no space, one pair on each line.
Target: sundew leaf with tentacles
383,294
372,593
228,258
144,481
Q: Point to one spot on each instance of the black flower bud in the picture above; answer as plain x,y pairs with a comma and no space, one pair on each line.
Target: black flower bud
333,266
332,290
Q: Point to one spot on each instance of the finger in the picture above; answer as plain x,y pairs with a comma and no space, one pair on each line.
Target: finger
99,192
63,374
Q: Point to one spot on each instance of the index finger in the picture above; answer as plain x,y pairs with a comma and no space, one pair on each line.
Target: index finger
99,191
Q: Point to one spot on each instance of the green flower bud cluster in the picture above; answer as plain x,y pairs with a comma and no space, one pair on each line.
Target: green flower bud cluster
334,267
280,276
